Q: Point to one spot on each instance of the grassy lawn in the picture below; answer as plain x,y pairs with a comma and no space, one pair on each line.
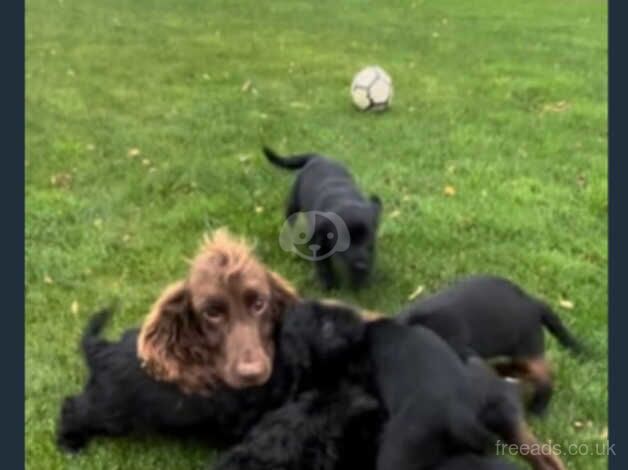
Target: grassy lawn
141,135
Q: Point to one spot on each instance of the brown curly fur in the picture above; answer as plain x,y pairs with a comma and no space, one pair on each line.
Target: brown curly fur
216,325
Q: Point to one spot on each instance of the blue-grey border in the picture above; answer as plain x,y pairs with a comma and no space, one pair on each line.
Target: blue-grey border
12,233
618,232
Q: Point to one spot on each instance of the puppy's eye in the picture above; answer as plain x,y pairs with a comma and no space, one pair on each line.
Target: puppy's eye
259,304
215,311
213,315
255,301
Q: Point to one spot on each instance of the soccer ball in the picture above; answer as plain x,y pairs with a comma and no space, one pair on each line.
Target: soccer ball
372,89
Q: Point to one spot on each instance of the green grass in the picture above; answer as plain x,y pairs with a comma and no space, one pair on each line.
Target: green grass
504,101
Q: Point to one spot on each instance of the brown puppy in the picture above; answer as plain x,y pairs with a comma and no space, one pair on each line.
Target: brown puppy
216,325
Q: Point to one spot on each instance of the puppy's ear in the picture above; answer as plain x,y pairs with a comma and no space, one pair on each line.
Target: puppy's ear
283,294
376,203
170,338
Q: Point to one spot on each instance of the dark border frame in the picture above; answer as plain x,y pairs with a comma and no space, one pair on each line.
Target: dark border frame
618,233
12,203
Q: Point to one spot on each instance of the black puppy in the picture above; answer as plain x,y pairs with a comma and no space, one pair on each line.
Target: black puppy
307,433
494,318
427,394
433,405
121,398
342,223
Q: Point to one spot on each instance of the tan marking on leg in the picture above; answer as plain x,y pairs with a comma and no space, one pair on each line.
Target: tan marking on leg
539,456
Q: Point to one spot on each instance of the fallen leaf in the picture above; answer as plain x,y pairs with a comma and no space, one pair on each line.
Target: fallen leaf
394,214
418,291
581,181
244,158
449,191
297,104
75,307
246,86
558,107
146,162
61,180
133,152
578,424
48,279
259,209
206,76
566,304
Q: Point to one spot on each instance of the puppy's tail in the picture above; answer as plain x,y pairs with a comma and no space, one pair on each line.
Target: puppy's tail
557,328
91,334
291,163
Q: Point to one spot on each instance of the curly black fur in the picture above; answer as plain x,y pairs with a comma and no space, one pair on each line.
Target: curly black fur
307,433
120,398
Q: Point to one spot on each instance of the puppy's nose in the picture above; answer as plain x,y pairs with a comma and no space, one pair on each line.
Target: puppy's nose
251,371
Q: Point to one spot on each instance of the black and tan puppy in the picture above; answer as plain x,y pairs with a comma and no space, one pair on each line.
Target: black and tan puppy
342,222
493,318
500,410
425,390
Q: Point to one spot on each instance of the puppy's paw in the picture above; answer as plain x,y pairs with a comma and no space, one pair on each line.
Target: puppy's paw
71,436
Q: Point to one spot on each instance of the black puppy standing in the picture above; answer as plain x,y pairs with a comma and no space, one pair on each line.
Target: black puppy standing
492,317
325,186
